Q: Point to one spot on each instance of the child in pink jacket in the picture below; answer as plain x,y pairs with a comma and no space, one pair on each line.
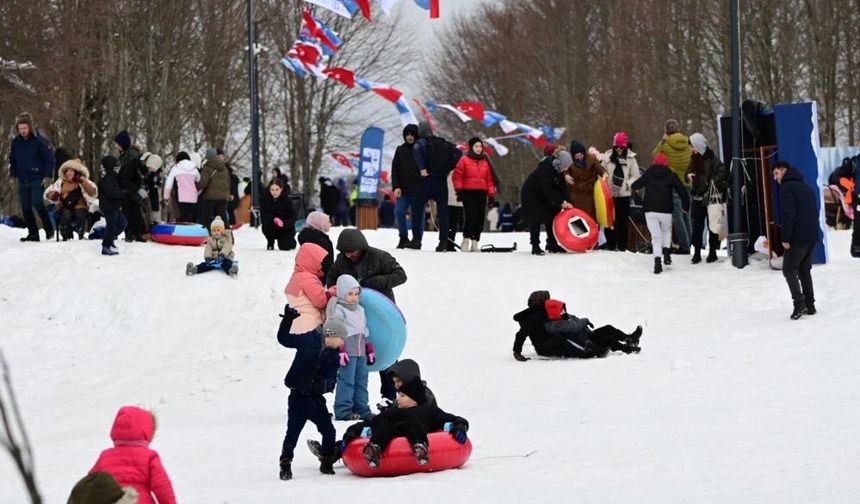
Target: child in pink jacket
131,462
305,291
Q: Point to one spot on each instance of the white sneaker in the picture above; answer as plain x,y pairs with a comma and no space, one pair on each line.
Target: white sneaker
464,245
475,246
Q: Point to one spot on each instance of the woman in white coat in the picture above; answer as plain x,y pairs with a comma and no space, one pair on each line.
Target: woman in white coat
623,169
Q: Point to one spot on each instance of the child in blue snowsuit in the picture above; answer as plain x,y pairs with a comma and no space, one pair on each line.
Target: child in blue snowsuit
350,397
312,374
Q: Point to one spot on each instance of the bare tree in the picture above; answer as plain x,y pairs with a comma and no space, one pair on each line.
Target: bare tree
13,437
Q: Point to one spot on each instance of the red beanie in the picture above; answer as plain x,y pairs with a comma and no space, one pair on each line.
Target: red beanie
554,309
620,140
661,159
549,150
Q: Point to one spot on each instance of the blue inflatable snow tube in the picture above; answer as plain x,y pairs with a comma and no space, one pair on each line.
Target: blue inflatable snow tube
179,233
387,328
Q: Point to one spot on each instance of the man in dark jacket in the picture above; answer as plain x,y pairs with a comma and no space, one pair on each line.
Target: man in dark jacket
312,374
435,158
215,188
800,234
31,163
543,196
131,181
111,197
373,268
406,181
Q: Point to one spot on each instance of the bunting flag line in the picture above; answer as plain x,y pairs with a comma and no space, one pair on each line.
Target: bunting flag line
462,116
345,8
313,28
342,160
387,5
383,90
343,75
431,5
552,134
501,149
425,113
364,5
406,115
474,110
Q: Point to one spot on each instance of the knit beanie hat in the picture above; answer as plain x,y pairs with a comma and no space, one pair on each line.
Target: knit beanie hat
550,149
538,298
577,148
473,141
319,221
563,161
620,140
211,153
335,326
699,142
123,139
661,159
152,161
217,223
415,389
97,488
109,163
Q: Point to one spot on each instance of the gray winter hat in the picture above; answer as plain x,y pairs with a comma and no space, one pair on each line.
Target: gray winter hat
563,161
211,153
335,326
699,142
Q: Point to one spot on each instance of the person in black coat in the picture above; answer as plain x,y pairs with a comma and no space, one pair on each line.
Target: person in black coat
406,182
317,226
278,217
555,333
543,196
111,197
386,213
800,233
312,374
659,182
329,196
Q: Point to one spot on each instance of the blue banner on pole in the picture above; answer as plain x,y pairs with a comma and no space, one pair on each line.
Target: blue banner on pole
370,165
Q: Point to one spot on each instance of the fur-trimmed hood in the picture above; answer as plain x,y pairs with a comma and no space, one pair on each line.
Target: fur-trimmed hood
76,165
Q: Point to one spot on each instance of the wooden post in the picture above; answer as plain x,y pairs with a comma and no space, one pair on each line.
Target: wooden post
367,215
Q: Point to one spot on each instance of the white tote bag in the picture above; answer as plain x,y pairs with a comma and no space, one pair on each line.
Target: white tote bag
717,219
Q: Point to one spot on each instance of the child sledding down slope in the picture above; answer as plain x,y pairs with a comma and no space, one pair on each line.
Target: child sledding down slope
555,333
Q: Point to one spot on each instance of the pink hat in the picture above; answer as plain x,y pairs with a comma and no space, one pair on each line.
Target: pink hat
319,221
620,140
661,159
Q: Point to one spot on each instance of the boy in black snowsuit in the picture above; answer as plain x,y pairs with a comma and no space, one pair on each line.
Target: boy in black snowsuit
312,374
413,418
555,333
111,196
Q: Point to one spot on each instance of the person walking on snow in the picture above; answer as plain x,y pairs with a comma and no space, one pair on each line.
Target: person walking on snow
31,165
705,175
185,175
660,184
406,182
435,157
473,183
800,233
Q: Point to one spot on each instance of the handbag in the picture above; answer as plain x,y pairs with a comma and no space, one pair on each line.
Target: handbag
717,219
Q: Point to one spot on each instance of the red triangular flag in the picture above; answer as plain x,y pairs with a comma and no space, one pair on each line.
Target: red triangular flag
475,110
343,75
389,93
364,5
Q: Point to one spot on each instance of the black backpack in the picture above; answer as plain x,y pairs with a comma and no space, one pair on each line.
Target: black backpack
442,155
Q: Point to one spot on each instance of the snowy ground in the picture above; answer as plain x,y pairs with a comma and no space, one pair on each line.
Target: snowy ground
729,401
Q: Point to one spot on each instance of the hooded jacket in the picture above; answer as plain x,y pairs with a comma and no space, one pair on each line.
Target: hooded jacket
131,462
542,193
131,170
404,171
533,325
353,316
659,182
305,291
314,368
186,176
377,269
30,158
89,191
313,235
214,183
798,210
407,370
677,148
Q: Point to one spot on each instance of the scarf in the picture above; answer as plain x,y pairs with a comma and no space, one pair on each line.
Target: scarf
618,172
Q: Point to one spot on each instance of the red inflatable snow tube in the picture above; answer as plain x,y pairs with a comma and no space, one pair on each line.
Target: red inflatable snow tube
397,459
575,230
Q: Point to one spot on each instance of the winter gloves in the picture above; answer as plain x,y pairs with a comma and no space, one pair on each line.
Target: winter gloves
344,357
371,355
518,356
458,432
588,324
459,196
290,313
278,222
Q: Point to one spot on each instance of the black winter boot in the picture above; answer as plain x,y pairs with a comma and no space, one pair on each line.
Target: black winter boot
536,250
414,244
712,256
798,312
697,256
555,249
442,247
667,256
633,338
327,464
286,470
658,268
402,243
810,309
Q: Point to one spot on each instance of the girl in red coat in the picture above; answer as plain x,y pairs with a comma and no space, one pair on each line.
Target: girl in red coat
474,185
131,462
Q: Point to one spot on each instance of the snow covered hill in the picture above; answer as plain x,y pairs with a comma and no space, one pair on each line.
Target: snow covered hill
729,401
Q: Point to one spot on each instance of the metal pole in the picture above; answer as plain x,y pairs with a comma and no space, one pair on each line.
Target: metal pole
255,119
738,239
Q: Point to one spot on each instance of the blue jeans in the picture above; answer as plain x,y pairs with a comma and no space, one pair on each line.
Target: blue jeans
30,195
350,395
300,409
434,187
681,224
412,204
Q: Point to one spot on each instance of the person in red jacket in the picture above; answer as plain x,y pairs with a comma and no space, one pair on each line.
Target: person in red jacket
474,185
131,462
